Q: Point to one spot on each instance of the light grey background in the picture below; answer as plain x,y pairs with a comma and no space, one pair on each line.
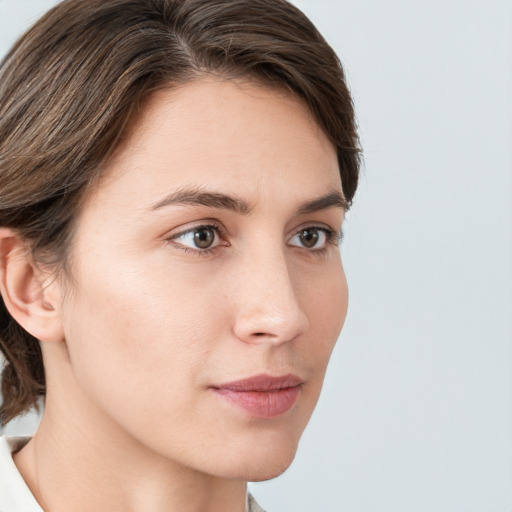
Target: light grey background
416,413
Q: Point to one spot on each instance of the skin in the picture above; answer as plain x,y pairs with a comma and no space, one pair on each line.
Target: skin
150,322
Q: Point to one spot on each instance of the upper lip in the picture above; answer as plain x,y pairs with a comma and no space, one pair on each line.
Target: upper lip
262,383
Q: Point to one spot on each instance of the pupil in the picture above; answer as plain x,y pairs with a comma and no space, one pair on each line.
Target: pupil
204,237
309,237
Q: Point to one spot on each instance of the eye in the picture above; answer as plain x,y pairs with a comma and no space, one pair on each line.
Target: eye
200,237
313,237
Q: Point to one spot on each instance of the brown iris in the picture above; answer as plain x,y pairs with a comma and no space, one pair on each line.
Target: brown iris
309,237
204,237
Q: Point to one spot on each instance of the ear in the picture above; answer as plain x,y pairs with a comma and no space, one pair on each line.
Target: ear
32,302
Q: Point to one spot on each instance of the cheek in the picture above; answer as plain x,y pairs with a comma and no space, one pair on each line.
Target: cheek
325,299
138,335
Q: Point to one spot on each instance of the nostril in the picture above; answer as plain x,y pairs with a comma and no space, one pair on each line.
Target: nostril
264,334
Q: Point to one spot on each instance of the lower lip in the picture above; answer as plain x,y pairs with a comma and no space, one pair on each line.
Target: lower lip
262,404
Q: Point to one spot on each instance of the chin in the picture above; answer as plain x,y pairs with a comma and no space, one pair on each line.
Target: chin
262,461
268,473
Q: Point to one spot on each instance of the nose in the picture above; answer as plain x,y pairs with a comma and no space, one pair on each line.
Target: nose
268,306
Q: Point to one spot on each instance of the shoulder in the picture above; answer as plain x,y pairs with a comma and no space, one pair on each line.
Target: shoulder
15,496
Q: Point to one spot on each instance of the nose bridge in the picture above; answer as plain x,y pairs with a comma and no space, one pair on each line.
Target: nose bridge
269,308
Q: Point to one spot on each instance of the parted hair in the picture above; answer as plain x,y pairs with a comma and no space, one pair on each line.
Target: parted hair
71,83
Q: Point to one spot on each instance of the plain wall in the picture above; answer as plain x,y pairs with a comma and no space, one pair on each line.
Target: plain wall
416,412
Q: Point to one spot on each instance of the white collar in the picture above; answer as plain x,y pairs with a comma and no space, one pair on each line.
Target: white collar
15,496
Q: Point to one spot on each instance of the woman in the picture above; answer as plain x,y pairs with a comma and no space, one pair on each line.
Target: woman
174,176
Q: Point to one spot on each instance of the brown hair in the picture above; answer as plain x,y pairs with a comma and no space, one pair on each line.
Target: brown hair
69,86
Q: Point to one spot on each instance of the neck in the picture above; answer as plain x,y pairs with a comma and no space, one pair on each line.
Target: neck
81,461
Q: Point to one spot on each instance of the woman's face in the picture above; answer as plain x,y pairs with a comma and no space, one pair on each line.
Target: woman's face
208,288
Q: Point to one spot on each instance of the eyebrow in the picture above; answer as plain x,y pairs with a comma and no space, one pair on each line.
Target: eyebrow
199,197
333,199
196,196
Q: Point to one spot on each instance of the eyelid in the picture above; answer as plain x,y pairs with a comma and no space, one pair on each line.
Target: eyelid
190,226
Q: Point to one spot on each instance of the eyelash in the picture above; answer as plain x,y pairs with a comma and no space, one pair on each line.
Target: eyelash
333,238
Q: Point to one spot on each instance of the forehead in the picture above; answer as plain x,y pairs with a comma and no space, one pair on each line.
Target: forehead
221,133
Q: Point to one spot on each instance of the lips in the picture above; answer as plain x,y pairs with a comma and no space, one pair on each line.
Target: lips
262,396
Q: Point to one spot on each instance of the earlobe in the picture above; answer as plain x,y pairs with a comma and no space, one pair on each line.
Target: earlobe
33,305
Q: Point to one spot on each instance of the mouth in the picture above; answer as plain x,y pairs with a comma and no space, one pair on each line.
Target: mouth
262,396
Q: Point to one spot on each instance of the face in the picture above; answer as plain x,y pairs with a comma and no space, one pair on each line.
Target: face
209,290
